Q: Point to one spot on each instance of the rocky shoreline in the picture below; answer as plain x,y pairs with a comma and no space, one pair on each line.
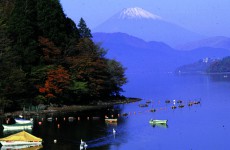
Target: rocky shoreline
72,108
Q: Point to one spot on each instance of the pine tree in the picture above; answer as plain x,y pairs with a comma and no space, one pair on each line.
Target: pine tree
51,21
84,31
23,32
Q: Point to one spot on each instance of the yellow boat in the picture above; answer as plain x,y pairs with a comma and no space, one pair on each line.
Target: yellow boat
111,120
21,138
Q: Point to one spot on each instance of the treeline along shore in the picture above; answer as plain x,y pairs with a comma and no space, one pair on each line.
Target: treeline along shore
70,108
45,58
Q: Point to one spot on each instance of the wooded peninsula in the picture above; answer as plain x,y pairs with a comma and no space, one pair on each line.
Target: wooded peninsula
45,58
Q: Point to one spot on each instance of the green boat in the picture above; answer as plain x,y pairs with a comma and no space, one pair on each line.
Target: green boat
152,121
17,126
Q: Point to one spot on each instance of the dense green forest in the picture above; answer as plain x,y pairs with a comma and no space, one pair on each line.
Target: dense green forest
46,58
220,66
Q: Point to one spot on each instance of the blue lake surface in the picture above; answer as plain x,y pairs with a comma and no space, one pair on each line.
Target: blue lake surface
204,126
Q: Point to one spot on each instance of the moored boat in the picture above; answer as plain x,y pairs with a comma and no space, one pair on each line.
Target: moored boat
21,138
23,121
152,121
111,119
143,105
23,147
17,126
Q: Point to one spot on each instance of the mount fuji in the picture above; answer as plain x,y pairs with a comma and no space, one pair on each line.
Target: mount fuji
147,26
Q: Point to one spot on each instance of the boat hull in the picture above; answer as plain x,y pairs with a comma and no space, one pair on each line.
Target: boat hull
17,126
17,147
111,120
23,121
158,121
7,143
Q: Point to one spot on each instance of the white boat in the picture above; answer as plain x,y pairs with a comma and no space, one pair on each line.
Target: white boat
20,143
17,126
21,138
158,121
24,147
71,119
50,119
23,121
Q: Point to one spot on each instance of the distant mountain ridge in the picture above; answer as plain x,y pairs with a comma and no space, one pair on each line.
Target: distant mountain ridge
214,42
147,26
141,56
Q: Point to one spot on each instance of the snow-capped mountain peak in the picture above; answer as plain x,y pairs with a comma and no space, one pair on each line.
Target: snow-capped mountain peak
137,13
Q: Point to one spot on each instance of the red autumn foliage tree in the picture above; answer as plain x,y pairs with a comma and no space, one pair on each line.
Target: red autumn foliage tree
57,82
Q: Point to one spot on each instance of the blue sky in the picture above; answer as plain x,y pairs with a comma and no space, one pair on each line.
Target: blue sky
207,17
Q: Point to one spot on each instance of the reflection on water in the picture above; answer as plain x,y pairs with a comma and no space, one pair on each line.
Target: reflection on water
21,147
161,125
192,126
220,77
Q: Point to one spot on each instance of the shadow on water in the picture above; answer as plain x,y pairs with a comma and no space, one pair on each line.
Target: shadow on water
220,77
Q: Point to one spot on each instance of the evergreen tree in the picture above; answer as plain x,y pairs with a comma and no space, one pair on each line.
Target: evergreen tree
84,31
52,22
23,32
73,38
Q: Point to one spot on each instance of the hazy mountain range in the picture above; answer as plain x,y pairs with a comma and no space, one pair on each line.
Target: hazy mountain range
145,42
215,42
141,56
147,26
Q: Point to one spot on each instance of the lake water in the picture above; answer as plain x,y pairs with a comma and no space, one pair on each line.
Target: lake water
204,126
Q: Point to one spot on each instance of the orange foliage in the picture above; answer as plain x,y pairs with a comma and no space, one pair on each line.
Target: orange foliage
42,90
50,51
57,81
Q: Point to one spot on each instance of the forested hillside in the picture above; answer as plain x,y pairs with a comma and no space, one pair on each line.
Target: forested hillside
220,66
46,58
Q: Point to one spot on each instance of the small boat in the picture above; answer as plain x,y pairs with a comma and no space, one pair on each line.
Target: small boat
23,121
50,119
125,114
181,106
190,104
17,126
149,101
153,110
167,101
179,101
196,102
21,138
71,119
173,107
95,118
111,120
143,105
158,121
23,147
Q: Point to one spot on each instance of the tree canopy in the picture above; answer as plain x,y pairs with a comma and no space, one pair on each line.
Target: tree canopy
45,57
220,66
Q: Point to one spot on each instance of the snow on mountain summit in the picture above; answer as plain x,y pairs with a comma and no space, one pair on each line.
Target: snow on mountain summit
137,13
